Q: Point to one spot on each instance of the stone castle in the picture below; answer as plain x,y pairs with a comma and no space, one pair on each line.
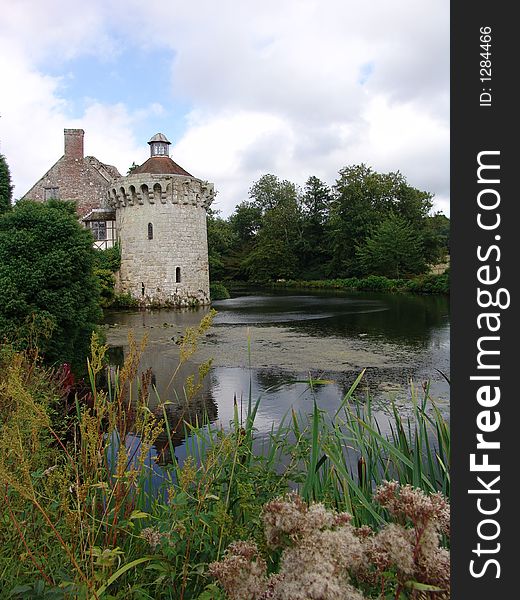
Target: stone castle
157,214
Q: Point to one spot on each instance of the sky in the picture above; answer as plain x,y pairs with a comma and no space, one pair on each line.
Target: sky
240,87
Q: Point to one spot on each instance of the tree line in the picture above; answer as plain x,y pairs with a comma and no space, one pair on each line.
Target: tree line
52,281
367,223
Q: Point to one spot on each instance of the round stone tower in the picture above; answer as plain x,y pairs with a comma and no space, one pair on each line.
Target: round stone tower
161,226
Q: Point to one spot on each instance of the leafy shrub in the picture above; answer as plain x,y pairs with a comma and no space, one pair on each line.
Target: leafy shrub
218,291
47,283
106,282
125,300
376,283
430,284
426,284
109,259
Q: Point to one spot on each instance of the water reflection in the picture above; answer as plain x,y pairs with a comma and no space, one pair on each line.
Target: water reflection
391,317
404,337
168,392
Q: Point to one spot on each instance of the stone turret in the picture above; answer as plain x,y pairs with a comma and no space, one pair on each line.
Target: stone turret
161,225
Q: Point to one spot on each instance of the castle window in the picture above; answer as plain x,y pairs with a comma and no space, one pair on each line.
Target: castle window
150,231
178,275
99,230
50,193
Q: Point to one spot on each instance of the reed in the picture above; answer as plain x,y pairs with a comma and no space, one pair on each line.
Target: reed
83,513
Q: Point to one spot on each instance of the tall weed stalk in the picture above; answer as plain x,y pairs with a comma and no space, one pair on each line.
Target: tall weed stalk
88,523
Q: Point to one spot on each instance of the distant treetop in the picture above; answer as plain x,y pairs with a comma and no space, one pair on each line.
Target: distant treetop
6,188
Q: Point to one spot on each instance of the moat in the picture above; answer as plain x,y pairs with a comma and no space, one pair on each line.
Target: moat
270,343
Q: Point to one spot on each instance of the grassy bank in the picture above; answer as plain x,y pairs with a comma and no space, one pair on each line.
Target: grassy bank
423,284
81,518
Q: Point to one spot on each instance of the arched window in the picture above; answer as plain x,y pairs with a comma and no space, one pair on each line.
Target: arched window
133,193
178,275
150,231
157,192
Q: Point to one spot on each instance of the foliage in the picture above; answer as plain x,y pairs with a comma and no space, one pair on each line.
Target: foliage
324,557
246,221
283,232
6,188
108,259
220,241
132,168
277,245
218,291
84,516
106,282
315,253
29,395
430,284
423,284
364,198
47,286
106,263
124,301
393,249
436,237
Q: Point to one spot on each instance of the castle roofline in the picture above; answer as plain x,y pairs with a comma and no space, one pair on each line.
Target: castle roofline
161,165
159,137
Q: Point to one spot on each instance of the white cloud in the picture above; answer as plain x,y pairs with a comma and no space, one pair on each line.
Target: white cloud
272,87
228,149
58,30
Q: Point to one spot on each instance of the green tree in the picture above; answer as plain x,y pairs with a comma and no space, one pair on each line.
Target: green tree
362,199
394,249
270,191
315,252
47,286
276,251
437,238
6,188
220,243
246,221
132,168
275,254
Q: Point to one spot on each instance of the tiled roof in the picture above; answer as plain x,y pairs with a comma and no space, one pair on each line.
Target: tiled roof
161,165
100,214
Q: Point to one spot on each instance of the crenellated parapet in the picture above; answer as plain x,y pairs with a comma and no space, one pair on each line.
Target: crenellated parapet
146,188
161,225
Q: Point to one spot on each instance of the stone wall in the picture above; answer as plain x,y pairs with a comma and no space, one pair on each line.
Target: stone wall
161,224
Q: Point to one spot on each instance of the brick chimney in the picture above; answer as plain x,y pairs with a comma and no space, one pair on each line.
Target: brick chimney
74,143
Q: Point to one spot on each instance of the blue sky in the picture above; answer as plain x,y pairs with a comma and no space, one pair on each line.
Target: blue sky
295,88
139,77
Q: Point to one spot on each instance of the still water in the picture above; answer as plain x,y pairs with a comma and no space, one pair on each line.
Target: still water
268,344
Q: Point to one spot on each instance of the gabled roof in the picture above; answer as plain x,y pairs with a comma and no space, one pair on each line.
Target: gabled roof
161,165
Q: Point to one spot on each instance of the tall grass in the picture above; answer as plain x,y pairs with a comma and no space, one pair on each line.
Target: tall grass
85,517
